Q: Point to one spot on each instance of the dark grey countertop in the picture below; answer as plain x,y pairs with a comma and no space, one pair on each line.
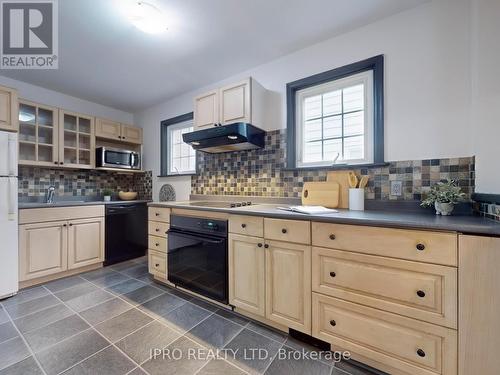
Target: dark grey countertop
71,203
396,219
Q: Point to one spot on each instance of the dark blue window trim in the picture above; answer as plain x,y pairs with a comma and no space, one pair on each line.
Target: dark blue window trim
164,155
376,64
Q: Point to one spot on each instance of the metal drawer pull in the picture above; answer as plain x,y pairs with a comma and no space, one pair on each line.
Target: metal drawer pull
332,237
157,214
157,229
333,274
157,244
266,246
259,244
421,353
420,246
157,265
243,225
333,323
421,293
283,231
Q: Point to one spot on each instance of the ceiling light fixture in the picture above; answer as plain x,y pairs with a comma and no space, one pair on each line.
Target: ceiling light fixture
147,18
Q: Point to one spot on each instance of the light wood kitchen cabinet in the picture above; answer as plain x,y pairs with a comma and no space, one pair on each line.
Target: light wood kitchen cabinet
55,241
113,130
76,140
479,305
243,101
8,109
288,285
235,103
395,343
85,242
247,284
42,249
108,129
38,134
206,110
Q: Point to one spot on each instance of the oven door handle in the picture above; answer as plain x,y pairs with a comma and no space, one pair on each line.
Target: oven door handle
197,237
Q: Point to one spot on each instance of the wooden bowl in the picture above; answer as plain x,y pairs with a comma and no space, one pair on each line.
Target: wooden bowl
127,195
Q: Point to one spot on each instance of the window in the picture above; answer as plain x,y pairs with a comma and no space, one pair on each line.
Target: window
177,157
337,115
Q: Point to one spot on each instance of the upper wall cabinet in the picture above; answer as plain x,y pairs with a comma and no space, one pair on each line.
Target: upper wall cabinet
76,140
8,109
113,130
38,134
239,102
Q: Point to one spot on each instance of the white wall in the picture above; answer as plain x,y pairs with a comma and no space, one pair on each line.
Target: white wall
485,119
428,84
53,98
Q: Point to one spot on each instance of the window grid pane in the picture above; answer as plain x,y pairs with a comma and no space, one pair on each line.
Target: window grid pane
182,156
334,122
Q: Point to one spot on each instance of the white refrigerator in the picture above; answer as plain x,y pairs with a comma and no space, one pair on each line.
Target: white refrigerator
9,269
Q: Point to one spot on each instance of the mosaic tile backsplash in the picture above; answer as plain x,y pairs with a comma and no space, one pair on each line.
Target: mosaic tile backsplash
34,182
489,210
263,173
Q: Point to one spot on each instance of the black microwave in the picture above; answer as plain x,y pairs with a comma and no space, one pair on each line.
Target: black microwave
108,157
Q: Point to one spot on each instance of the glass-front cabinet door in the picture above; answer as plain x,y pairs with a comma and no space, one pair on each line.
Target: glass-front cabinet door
76,140
38,134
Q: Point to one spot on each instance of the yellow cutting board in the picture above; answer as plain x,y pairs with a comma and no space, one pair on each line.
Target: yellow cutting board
342,178
324,194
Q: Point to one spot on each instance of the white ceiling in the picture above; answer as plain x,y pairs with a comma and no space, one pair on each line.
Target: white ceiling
103,58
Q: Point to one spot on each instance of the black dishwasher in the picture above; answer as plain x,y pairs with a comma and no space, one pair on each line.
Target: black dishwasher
126,232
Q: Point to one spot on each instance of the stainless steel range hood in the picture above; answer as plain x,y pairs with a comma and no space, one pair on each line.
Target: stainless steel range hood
234,137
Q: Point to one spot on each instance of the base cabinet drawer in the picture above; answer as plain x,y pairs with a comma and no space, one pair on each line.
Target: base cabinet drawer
418,290
161,214
157,228
246,225
158,243
417,245
396,343
157,263
288,230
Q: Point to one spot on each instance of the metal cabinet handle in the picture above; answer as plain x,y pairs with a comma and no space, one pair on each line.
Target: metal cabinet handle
64,225
284,230
259,244
333,274
420,353
157,244
333,323
243,225
157,265
266,246
70,224
420,246
157,229
332,237
157,214
421,293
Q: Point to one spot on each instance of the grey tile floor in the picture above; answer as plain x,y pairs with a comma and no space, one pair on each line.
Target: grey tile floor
107,321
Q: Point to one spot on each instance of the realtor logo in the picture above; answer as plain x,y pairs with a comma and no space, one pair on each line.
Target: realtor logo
29,37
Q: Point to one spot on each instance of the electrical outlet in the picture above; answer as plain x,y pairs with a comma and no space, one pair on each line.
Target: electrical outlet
397,188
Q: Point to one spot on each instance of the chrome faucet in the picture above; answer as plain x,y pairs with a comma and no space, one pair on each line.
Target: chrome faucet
49,198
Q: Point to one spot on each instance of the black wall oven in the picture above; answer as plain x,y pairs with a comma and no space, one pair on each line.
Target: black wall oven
198,256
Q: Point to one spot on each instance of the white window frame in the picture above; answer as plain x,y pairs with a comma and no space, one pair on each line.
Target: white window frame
170,148
366,78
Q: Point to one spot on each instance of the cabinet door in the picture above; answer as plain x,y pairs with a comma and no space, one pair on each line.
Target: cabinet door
206,110
288,285
235,103
246,273
85,242
38,134
42,249
8,109
131,134
76,140
108,129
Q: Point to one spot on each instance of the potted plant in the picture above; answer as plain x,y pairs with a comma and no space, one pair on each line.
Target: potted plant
443,196
107,193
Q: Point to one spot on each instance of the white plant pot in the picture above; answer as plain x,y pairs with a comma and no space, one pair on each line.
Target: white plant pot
444,209
357,199
107,198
